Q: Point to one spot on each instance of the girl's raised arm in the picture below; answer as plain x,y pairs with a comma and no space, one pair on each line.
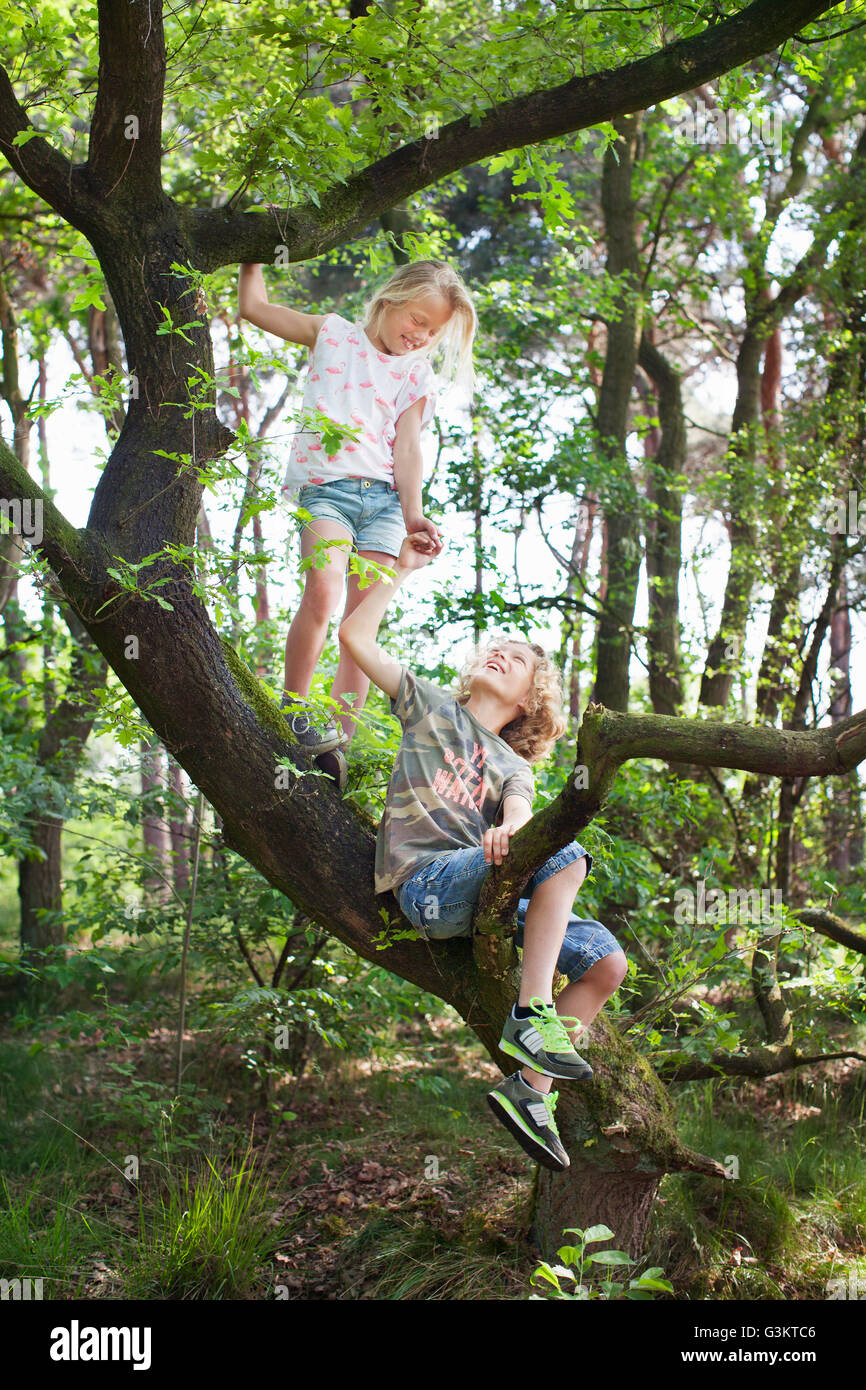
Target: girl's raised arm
254,305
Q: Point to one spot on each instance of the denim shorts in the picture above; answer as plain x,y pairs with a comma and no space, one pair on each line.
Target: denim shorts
440,898
370,511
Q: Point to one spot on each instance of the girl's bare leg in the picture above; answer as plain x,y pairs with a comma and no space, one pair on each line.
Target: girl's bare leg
323,589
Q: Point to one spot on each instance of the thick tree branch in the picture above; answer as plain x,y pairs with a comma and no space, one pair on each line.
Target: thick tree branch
765,1061
36,161
68,551
225,237
607,739
828,924
126,133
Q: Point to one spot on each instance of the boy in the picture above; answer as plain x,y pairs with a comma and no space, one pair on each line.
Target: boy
463,760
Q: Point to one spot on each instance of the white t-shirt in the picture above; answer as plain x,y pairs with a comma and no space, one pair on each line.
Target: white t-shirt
353,383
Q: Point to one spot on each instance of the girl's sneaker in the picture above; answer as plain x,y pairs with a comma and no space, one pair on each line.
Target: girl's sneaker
309,735
542,1042
528,1115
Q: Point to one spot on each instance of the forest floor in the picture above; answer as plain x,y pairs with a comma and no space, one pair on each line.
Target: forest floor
388,1178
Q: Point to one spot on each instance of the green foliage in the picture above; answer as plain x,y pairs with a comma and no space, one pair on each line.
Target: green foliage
572,1278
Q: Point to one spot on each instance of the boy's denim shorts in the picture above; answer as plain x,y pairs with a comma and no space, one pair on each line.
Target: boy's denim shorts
369,509
440,898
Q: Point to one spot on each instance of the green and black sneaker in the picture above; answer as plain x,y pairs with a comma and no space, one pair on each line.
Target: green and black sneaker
529,1115
542,1042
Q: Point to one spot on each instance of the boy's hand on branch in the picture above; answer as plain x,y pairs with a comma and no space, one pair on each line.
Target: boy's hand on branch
495,841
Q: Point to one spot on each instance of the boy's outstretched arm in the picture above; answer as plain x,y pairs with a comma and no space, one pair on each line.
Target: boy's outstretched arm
358,631
254,305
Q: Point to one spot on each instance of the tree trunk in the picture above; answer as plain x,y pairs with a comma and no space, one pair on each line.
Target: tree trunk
664,542
61,743
614,635
583,1197
619,1132
39,889
155,834
180,829
841,823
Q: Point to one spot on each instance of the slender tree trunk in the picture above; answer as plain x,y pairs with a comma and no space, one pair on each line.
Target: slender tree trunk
622,526
61,742
180,828
155,833
666,463
842,820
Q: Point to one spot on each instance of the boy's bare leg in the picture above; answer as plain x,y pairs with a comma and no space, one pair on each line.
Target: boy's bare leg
323,589
543,934
544,930
349,674
584,997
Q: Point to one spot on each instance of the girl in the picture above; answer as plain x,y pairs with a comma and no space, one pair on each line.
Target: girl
375,377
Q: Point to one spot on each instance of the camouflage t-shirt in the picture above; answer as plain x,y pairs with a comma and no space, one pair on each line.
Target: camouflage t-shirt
449,781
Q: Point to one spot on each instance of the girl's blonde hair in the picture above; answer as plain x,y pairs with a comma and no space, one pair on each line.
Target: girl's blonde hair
533,733
420,278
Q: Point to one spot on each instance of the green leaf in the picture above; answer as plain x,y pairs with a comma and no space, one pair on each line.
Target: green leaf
611,1257
597,1233
544,1271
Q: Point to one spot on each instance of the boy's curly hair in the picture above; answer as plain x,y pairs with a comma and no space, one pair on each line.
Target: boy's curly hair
532,734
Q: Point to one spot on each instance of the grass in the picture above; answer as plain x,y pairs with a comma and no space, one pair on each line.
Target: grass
795,1216
204,1235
